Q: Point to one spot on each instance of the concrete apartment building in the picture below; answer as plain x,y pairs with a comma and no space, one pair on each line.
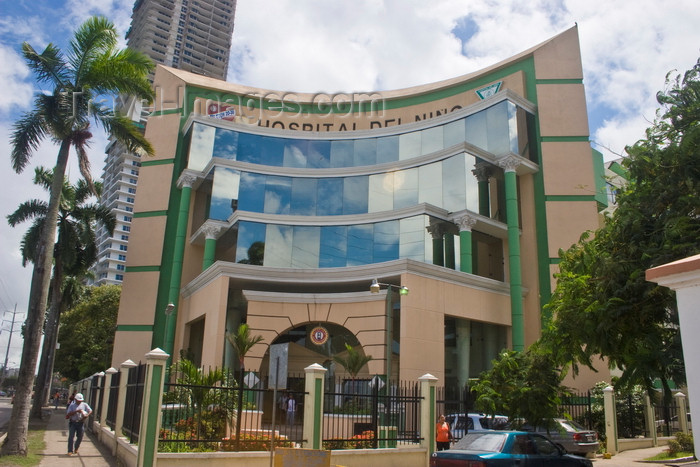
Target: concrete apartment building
194,35
281,213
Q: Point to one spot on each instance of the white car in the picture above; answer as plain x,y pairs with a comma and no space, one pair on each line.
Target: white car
461,423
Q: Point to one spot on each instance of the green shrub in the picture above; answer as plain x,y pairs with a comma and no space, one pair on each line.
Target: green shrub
685,440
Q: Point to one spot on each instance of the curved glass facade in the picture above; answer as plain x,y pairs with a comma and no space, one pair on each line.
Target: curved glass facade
499,129
448,182
296,246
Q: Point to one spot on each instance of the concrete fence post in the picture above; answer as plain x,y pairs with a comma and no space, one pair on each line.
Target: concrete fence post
313,405
610,419
109,372
121,402
650,419
682,403
149,428
428,417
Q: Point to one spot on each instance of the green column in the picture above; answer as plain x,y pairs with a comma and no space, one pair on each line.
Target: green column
466,256
178,254
450,259
436,231
483,173
149,428
510,164
211,233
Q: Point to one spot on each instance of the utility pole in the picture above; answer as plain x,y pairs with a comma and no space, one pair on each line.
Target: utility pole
7,352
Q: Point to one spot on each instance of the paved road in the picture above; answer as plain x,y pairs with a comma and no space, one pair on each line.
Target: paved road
5,412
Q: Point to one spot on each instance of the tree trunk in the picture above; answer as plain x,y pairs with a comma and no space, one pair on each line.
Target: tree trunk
43,377
16,442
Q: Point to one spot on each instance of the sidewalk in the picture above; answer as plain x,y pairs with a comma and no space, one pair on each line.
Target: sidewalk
635,458
92,453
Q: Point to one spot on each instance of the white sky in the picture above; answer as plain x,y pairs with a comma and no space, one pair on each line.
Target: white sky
627,48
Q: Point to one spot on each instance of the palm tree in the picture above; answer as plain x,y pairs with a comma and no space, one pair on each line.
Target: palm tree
242,342
93,66
353,362
75,251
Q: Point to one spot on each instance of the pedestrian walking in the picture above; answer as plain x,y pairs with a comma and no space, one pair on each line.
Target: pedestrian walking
77,413
291,410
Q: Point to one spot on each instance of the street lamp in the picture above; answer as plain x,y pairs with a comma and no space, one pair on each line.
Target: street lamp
374,287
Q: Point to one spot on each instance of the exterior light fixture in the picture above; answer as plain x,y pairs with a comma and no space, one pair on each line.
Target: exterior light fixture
374,287
169,309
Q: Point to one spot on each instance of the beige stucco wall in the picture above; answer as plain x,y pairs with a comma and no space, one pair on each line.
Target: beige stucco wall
209,302
559,58
153,188
567,220
423,316
568,169
364,319
528,259
562,110
146,252
136,307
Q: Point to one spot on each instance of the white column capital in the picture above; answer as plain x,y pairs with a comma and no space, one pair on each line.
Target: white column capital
466,223
509,163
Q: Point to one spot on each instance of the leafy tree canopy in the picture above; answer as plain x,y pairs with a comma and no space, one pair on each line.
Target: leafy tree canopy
602,305
86,334
525,386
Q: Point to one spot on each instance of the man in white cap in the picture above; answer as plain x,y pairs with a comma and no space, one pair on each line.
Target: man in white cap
78,411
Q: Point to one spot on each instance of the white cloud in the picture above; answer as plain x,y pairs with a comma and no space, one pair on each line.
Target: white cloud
16,92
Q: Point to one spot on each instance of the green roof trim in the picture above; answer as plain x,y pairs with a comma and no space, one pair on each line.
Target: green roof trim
599,174
150,214
564,139
142,268
617,168
135,327
560,81
158,113
367,104
157,162
556,198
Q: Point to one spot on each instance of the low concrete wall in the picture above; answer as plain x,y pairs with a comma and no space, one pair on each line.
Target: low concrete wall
124,451
640,443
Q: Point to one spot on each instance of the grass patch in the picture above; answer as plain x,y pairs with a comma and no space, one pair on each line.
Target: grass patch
665,456
35,446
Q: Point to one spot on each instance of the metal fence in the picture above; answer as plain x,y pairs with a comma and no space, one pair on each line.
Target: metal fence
217,410
110,419
579,407
666,419
133,402
367,414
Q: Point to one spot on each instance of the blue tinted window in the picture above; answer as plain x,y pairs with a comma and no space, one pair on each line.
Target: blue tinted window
319,154
295,153
304,196
365,152
359,245
272,151
251,243
330,197
342,153
334,246
386,241
225,142
252,192
355,192
387,149
249,148
278,194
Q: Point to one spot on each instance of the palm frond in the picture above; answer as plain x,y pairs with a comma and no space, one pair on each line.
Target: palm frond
48,66
122,71
123,130
92,38
28,210
27,133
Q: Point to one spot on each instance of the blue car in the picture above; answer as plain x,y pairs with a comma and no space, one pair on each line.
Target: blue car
506,448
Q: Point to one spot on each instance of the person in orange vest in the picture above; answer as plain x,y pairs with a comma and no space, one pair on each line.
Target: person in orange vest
443,434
